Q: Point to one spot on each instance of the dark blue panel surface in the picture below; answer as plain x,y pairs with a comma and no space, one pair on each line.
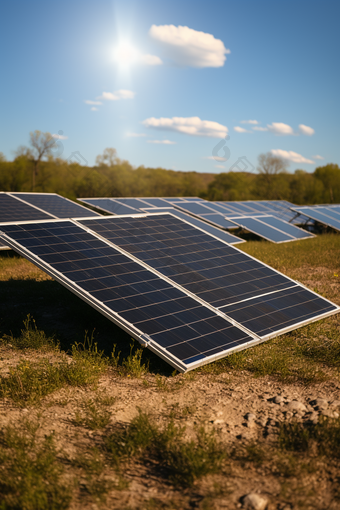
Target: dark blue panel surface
173,320
259,228
289,229
108,205
267,314
12,209
212,270
59,206
316,214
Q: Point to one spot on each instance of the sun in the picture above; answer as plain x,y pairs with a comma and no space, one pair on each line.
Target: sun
126,54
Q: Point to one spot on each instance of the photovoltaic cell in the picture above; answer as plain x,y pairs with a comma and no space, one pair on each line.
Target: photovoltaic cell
56,205
215,272
179,328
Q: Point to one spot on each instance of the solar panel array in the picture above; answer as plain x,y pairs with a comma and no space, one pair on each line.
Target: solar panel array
38,206
186,295
124,206
328,215
271,228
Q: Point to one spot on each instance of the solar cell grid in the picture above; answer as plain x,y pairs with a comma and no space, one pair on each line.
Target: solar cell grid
56,205
12,209
258,227
110,205
127,292
199,263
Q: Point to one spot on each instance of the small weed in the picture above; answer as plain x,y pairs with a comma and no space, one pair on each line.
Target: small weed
28,382
31,337
132,365
94,414
185,461
324,437
30,474
92,463
250,452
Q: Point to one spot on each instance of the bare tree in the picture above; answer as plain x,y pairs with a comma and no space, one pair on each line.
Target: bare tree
42,144
271,165
108,158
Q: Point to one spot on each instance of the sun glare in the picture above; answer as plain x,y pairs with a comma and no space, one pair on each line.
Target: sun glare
126,54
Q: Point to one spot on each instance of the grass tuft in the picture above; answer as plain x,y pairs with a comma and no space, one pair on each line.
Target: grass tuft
185,461
30,338
30,476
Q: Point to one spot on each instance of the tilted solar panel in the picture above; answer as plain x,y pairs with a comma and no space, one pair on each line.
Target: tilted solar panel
59,207
268,232
285,227
169,284
216,273
109,205
210,229
318,214
177,327
12,209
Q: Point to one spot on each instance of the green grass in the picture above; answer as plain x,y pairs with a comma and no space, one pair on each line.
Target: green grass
30,381
30,338
325,250
322,438
30,475
184,461
94,413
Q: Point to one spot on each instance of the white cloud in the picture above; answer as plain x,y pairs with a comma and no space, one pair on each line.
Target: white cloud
188,47
88,101
239,129
258,128
94,109
291,156
215,158
135,135
317,157
220,166
117,95
306,130
193,126
249,122
60,137
165,142
279,128
151,60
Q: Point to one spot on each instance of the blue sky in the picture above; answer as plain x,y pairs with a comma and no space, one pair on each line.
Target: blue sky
173,79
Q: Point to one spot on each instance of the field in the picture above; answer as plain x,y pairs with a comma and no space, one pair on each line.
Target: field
89,420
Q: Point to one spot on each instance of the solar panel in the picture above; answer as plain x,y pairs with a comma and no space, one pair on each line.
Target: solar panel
285,227
203,212
268,232
177,327
155,202
210,229
12,209
319,214
168,284
59,207
109,205
216,273
136,203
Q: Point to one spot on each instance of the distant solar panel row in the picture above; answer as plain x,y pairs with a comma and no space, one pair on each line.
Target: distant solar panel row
188,296
38,206
327,215
272,229
124,206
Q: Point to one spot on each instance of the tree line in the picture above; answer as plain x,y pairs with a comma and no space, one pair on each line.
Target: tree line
36,168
